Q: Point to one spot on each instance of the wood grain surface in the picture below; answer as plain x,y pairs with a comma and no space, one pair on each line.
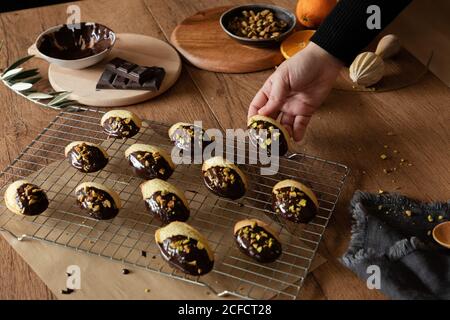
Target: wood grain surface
202,42
352,128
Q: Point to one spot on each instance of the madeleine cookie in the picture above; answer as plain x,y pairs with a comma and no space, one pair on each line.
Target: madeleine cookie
224,178
185,248
86,156
294,201
121,123
101,202
165,201
25,198
264,131
149,162
257,240
188,137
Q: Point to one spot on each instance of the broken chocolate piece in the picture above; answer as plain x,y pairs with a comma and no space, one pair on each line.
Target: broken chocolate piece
125,75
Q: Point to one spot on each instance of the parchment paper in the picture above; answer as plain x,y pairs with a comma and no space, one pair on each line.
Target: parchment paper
102,278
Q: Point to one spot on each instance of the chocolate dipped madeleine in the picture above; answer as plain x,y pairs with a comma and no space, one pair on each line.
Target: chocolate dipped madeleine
294,201
101,202
85,156
185,248
264,131
25,198
149,162
188,137
165,201
224,178
121,123
255,239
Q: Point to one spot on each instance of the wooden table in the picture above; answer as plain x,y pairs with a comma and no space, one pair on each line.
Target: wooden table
350,128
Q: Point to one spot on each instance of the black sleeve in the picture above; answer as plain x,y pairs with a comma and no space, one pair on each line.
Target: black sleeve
344,33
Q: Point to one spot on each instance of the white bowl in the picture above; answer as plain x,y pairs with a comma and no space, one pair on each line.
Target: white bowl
47,40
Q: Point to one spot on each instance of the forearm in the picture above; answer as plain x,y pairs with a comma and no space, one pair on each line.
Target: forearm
344,33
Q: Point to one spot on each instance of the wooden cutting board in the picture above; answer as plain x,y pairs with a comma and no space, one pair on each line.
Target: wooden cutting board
140,49
201,40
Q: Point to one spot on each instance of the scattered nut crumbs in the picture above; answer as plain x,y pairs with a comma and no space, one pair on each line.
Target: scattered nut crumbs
429,233
385,146
383,156
430,218
440,217
380,207
390,133
380,191
408,213
395,151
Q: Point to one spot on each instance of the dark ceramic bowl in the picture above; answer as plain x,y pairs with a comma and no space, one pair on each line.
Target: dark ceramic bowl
280,13
75,46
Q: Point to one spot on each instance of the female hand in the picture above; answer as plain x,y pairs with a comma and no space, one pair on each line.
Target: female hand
297,88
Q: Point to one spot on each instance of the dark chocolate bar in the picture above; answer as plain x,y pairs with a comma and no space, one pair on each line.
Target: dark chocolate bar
125,75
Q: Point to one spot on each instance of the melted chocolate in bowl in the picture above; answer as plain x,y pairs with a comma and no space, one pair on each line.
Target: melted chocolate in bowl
71,43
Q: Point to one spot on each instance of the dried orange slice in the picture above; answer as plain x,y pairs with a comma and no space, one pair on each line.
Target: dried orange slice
295,42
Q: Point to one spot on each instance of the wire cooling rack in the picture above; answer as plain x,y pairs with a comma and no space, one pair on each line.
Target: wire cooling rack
129,237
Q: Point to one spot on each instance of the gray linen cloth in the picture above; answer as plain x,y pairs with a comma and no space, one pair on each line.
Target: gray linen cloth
393,232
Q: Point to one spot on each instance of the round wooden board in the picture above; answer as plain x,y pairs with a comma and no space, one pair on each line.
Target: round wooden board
140,49
201,40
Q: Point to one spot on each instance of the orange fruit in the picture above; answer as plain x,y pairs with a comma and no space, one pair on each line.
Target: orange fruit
311,13
295,42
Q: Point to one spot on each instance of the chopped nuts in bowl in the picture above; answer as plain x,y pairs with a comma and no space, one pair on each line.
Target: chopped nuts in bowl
258,25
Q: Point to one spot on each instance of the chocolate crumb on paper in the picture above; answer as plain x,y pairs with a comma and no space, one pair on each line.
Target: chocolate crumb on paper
67,291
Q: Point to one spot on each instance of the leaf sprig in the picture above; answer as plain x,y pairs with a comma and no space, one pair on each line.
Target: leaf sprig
22,82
